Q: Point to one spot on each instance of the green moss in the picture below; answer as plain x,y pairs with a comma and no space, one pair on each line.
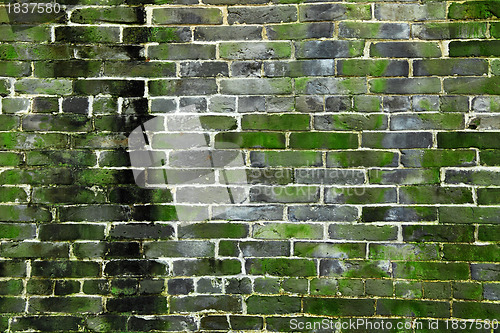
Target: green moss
378,85
301,83
474,10
285,267
9,231
10,159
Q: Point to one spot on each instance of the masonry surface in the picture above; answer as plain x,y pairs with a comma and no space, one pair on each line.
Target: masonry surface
370,132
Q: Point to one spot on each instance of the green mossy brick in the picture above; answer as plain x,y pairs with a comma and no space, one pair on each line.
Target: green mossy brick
473,10
15,68
159,249
360,195
182,87
489,157
284,194
8,122
324,286
468,140
472,85
122,88
12,268
413,308
67,68
367,103
134,195
11,287
331,85
35,250
389,251
339,306
329,250
489,215
203,267
18,51
378,287
61,158
467,290
333,12
94,213
64,232
46,176
267,285
382,67
109,15
488,196
406,214
287,230
429,158
438,233
139,69
17,231
405,50
213,230
474,48
431,270
139,35
435,121
475,310
440,30
12,304
362,232
299,31
495,33
24,33
285,158
23,213
186,15
64,123
404,176
182,51
351,287
437,290
12,194
476,177
354,268
269,140
468,252
371,158
273,304
405,86
351,122
323,140
488,233
154,213
10,159
228,248
43,86
374,30
286,122
65,304
295,285
87,34
435,195
407,289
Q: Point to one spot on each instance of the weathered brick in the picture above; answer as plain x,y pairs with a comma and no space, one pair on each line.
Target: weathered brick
287,230
176,87
254,50
405,50
286,122
405,85
214,33
410,11
437,158
170,322
473,10
477,177
186,15
472,85
407,214
330,250
438,233
396,140
434,195
87,34
378,67
369,158
333,12
138,304
262,14
461,215
298,31
431,270
362,232
450,67
65,269
138,35
281,267
462,30
323,140
413,308
59,232
360,195
81,304
109,15
181,51
354,268
389,251
328,49
463,252
201,267
374,30
474,310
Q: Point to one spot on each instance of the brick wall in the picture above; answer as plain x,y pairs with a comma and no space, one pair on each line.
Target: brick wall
370,135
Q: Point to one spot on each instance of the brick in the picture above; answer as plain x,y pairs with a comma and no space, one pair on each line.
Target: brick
246,68
213,230
450,67
65,304
473,10
17,231
109,15
491,291
15,68
141,231
34,250
281,267
404,176
488,233
479,177
360,195
37,176
138,304
287,230
41,322
474,48
125,88
435,195
65,269
170,322
362,232
179,249
254,50
449,30
12,268
369,158
329,176
186,15
43,86
285,158
104,52
410,11
413,308
333,12
323,140
431,270
139,69
389,251
181,52
396,140
66,123
437,158
256,248
24,33
204,69
475,85
328,49
138,35
78,105
463,252
396,103
299,68
273,304
286,122
350,122
268,140
180,286
468,139
378,67
488,196
176,87
262,14
406,214
201,267
405,50
23,213
354,268
17,51
405,85
133,267
298,31
378,287
485,272
87,34
438,233
94,213
460,215
474,310
425,103
374,30
338,103
215,33
454,103
330,250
